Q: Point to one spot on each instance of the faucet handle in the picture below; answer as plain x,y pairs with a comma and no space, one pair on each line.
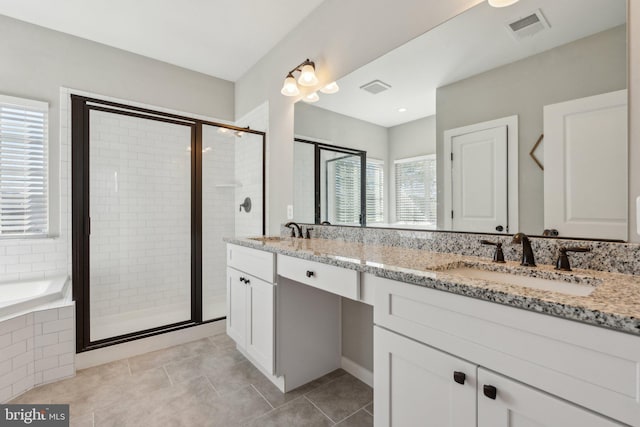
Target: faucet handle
563,260
498,255
307,234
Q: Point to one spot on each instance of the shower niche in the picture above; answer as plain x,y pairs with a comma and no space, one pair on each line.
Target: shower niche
153,195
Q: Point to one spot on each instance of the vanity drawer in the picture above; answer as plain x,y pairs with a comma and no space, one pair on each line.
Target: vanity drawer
336,280
253,261
593,367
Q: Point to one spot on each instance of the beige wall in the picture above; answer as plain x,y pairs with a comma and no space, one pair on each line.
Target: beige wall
633,23
589,66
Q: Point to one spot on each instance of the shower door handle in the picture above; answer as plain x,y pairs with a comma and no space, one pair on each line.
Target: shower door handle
88,226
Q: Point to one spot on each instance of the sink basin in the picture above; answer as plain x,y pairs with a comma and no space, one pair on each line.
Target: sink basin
560,283
267,239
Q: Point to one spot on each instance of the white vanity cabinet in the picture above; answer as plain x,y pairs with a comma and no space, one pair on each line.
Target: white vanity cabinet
546,371
515,405
416,385
251,302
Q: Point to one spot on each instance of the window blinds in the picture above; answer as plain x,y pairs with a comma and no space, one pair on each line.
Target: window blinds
347,191
416,190
23,167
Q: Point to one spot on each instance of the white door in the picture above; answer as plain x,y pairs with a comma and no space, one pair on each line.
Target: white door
479,181
236,306
260,323
585,166
414,385
518,405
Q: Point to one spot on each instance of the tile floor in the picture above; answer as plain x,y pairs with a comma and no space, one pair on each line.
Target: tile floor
203,383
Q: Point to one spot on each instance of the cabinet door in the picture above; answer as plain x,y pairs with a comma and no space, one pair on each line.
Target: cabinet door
414,385
260,330
236,306
518,405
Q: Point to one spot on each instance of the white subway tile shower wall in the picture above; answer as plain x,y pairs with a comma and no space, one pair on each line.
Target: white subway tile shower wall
257,119
218,207
248,159
140,203
35,349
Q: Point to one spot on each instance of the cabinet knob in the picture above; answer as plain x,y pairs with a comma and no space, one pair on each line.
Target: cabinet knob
247,281
490,391
242,279
459,377
310,273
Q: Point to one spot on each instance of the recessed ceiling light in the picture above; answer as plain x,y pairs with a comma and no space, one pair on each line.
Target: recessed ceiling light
402,110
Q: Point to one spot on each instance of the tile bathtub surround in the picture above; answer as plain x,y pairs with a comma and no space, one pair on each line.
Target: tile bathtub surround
615,303
36,348
205,382
604,256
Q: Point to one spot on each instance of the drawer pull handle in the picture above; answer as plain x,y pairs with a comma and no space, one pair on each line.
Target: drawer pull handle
490,391
242,279
310,273
459,377
247,281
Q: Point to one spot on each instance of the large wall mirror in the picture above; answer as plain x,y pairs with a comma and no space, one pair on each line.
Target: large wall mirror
497,121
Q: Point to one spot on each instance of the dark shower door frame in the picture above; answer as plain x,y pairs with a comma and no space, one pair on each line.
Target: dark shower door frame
81,106
318,147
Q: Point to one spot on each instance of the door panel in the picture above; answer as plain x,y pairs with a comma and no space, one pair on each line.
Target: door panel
479,180
236,306
260,331
582,136
415,386
518,405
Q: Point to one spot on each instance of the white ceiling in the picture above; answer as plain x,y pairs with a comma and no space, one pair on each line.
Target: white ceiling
222,38
473,42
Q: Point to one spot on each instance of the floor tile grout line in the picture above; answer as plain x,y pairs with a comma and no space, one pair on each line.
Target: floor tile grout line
261,395
129,367
168,376
322,385
357,410
321,411
212,386
365,408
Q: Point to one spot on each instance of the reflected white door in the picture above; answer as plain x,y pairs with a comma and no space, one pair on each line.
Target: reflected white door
479,181
585,166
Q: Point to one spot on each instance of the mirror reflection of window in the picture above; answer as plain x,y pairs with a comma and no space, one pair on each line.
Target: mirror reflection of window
416,191
375,191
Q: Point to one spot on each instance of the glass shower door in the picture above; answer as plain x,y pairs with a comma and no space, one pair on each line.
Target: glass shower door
140,190
232,205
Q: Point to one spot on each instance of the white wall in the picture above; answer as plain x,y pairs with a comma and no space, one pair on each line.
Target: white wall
36,63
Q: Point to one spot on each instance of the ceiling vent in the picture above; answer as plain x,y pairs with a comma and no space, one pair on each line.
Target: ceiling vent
529,26
375,87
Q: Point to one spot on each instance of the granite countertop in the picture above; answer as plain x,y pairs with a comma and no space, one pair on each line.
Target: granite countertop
614,303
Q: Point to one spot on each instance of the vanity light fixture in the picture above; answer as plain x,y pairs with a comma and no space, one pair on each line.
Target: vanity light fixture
312,97
307,78
502,3
330,88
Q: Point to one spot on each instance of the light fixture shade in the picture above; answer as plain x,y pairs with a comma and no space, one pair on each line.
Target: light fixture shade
502,3
330,88
290,88
308,75
312,97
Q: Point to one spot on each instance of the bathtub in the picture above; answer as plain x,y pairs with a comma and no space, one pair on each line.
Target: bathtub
17,297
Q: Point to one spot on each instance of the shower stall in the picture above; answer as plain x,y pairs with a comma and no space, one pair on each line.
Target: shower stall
153,195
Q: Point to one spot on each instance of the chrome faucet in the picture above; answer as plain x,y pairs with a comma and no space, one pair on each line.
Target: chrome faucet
291,225
528,260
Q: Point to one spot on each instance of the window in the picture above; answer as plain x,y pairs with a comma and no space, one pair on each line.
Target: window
347,190
23,167
416,191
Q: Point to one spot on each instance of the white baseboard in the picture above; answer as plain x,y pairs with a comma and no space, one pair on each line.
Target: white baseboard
361,373
100,356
